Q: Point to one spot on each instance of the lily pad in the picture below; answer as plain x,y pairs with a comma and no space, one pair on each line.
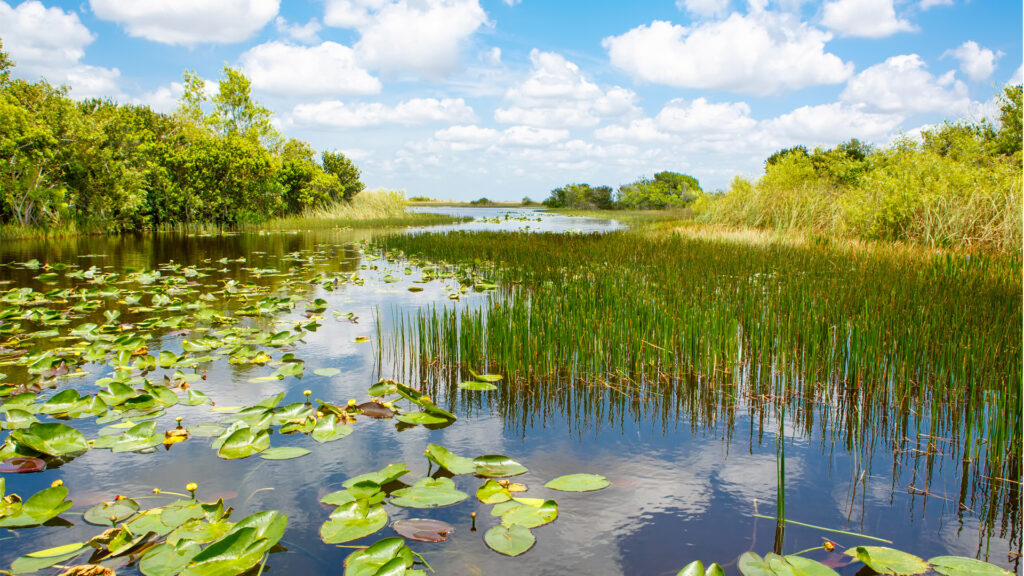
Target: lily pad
138,437
45,558
423,529
477,386
244,442
107,513
444,458
352,521
166,559
52,438
241,548
578,483
528,514
328,372
888,560
485,377
389,552
40,508
751,564
375,410
420,418
381,477
960,566
283,453
497,466
695,568
22,465
328,429
491,492
510,540
429,493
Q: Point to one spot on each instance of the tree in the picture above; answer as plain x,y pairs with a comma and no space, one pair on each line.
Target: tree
581,196
6,65
1008,138
779,155
666,189
347,173
235,111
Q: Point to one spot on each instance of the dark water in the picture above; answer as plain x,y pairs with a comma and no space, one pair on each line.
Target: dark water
683,487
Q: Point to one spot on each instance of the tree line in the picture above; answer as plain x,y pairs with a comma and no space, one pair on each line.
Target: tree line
97,164
664,190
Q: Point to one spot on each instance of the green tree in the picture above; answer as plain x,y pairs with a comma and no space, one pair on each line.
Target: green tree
6,65
581,196
345,170
666,189
1008,138
235,111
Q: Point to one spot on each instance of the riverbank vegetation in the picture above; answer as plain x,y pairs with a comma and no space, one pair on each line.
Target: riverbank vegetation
97,166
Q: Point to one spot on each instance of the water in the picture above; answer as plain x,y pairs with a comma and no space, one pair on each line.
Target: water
683,488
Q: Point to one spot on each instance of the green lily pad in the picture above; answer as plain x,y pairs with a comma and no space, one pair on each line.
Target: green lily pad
386,475
751,564
244,442
527,514
391,552
420,418
328,429
510,540
107,513
38,509
444,458
241,548
960,566
477,386
283,453
484,377
695,568
497,466
493,493
52,438
167,559
367,491
45,558
888,560
578,483
328,372
352,521
429,493
138,437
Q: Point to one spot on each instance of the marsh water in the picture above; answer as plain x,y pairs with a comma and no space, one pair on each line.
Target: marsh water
685,484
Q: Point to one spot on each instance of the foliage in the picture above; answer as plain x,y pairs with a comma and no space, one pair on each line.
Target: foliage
958,187
665,190
98,165
581,196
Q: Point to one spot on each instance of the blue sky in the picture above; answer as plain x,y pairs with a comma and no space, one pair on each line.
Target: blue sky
461,99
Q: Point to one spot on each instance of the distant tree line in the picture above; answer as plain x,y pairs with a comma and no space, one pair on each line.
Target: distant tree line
665,190
101,165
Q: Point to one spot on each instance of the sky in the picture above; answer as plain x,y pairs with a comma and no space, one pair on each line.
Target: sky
505,99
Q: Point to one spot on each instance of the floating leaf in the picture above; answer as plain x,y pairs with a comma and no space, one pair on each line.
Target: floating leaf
45,558
477,386
241,548
283,453
244,442
420,418
40,508
352,521
108,513
485,377
751,564
327,429
888,561
327,372
381,477
497,466
695,568
429,493
443,457
493,493
578,483
166,559
391,552
138,437
367,491
510,540
960,566
22,465
375,410
52,438
423,529
529,514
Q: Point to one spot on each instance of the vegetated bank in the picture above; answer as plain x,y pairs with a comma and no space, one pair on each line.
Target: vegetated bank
90,166
957,187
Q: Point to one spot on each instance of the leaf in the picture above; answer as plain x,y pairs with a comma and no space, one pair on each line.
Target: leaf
497,466
351,521
491,492
444,458
366,491
477,386
40,508
46,558
888,561
371,561
138,437
283,453
423,529
327,372
751,564
510,540
167,560
578,483
22,465
960,566
429,493
120,510
484,377
530,516
52,438
420,418
381,477
327,429
244,442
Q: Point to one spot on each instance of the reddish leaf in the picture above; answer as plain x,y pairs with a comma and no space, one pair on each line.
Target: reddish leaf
423,529
22,465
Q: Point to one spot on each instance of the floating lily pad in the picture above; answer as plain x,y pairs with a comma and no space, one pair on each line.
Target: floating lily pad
390,557
695,568
578,483
497,466
960,566
244,442
443,457
22,465
107,513
45,558
352,521
328,429
52,438
420,418
528,513
491,492
429,493
477,386
888,560
166,559
485,377
40,508
283,453
138,437
367,491
381,477
423,529
327,372
510,540
750,564
376,410
241,548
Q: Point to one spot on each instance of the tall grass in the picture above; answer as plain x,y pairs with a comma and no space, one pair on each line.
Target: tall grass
368,209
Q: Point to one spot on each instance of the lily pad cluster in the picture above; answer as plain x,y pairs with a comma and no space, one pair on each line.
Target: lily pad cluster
184,536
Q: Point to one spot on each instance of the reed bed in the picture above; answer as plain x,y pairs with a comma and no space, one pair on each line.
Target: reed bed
913,352
367,210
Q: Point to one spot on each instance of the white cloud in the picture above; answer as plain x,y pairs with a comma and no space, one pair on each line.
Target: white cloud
307,33
864,18
336,114
903,84
400,37
51,43
926,4
704,8
703,119
830,124
641,131
556,93
460,138
188,22
760,53
976,62
1018,76
326,69
164,99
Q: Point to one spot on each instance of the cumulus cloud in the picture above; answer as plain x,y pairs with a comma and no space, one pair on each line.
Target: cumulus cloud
1018,76
329,68
761,52
336,114
704,8
926,4
307,33
641,131
976,62
399,37
188,22
902,84
864,18
704,119
556,93
474,137
51,43
830,124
